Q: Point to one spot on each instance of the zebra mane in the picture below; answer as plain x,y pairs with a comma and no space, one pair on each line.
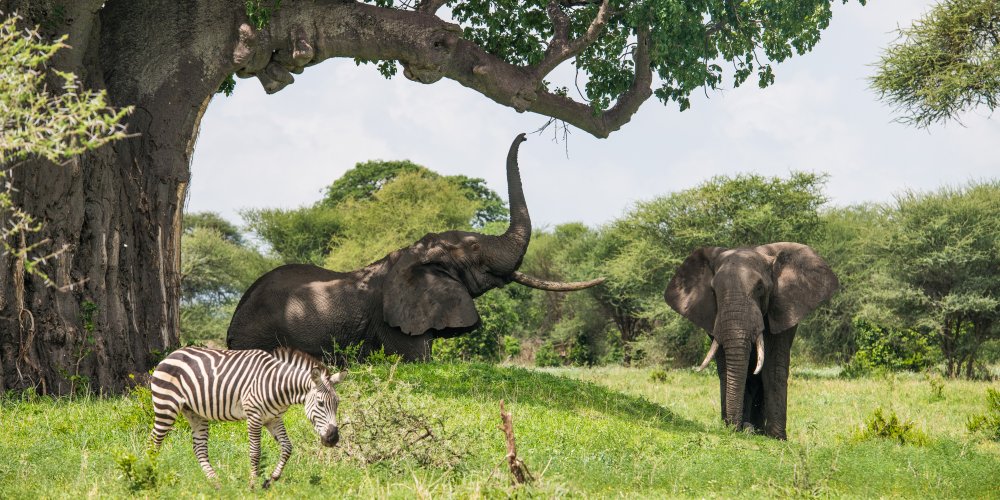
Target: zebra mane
297,358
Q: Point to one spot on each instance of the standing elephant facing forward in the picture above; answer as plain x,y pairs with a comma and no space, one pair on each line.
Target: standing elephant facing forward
399,303
750,301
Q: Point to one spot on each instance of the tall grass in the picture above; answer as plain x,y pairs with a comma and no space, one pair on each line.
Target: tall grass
583,432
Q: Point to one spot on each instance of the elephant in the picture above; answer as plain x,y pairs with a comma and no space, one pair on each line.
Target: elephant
399,303
750,301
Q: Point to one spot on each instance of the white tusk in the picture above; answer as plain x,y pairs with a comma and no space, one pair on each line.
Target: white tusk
760,353
711,354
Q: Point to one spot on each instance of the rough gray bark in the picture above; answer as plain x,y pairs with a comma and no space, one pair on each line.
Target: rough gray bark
118,209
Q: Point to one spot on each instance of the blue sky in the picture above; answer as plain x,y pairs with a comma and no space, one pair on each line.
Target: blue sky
256,150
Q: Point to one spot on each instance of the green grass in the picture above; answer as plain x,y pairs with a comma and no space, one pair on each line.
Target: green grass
598,432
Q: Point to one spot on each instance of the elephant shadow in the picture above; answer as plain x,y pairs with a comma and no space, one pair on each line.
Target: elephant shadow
529,387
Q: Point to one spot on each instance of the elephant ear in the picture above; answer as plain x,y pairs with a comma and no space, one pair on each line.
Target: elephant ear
802,280
690,290
423,297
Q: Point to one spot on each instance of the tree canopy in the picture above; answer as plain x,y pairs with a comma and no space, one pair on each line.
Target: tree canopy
947,63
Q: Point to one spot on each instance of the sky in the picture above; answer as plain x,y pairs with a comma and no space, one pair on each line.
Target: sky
256,150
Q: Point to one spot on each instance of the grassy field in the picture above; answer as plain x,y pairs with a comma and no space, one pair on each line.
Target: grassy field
598,432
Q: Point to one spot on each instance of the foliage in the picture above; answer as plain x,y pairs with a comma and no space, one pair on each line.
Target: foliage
400,213
888,349
35,122
497,310
392,427
988,423
367,178
944,248
308,234
299,235
687,39
947,63
848,240
215,270
878,426
217,266
139,473
546,355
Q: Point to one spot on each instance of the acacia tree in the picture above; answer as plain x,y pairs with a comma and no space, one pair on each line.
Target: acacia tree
119,208
947,63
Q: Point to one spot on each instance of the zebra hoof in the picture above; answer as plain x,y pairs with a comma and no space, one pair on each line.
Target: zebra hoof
267,483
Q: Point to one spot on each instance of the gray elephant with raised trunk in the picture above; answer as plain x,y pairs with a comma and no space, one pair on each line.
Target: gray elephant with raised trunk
750,301
399,303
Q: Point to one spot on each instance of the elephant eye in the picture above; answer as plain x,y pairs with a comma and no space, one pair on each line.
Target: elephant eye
475,247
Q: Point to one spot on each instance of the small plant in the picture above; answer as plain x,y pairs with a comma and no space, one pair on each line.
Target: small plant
658,375
987,423
392,427
379,357
878,426
140,474
937,386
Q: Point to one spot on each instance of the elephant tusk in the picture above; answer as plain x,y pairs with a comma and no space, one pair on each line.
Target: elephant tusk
760,353
711,354
554,286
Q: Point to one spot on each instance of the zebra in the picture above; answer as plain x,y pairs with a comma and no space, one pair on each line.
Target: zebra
253,385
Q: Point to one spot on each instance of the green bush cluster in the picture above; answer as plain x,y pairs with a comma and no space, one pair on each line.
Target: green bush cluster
988,423
888,349
892,428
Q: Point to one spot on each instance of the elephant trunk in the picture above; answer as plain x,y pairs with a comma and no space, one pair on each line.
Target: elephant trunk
510,247
737,353
514,242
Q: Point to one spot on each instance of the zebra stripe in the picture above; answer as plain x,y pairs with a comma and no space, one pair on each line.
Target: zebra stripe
211,384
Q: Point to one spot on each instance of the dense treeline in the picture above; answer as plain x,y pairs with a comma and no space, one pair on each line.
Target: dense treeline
920,277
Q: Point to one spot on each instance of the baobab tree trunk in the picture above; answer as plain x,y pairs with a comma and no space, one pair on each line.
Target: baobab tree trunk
114,308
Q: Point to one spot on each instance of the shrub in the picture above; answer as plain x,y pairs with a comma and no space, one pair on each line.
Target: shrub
988,423
887,349
878,426
511,346
139,473
658,375
546,355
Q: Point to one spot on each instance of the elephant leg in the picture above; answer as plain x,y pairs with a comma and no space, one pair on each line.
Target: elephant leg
720,366
753,401
775,379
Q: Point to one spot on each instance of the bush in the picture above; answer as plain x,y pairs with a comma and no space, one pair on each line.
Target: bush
892,428
546,355
887,349
988,423
511,346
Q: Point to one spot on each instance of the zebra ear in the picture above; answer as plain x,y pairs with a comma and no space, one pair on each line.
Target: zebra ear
317,374
338,378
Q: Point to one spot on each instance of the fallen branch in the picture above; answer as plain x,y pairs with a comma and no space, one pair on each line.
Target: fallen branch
518,469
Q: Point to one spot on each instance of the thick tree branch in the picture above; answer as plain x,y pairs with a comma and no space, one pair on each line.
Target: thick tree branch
430,6
561,47
428,49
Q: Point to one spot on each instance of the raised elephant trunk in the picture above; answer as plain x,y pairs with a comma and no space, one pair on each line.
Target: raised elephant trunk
513,243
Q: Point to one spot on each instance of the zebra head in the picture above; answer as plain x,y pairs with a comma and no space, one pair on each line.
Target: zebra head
321,404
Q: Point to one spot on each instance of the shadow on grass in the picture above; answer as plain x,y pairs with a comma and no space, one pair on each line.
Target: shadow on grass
519,385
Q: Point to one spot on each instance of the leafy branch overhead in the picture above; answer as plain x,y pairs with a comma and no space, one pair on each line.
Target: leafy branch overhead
947,63
505,50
